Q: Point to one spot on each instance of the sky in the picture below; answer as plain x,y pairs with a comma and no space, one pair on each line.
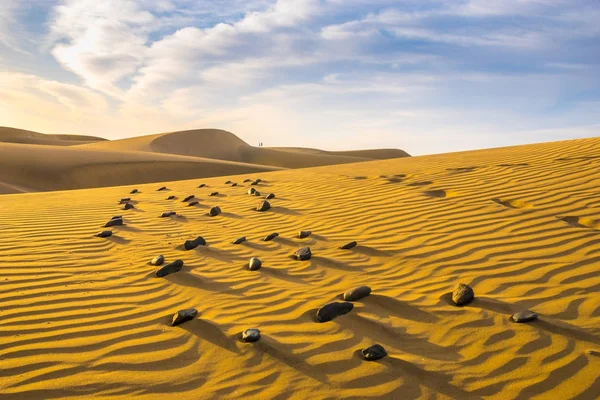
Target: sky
426,76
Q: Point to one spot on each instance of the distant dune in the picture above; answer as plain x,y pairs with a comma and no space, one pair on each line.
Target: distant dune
84,317
32,161
13,135
223,145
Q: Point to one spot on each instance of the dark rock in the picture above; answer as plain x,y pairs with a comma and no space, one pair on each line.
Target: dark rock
124,200
270,196
258,180
188,198
193,203
524,316
161,189
270,237
192,244
201,185
349,246
263,206
227,182
374,352
128,206
233,184
117,217
171,197
158,260
304,234
357,293
254,183
104,234
134,191
247,180
254,264
257,193
303,254
462,294
114,222
183,316
167,214
170,268
251,335
333,310
251,191
239,240
593,352
214,194
213,212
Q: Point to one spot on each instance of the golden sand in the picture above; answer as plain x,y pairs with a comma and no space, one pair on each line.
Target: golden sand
84,317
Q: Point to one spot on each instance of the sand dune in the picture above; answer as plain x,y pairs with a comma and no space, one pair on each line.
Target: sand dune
13,135
223,145
84,317
31,168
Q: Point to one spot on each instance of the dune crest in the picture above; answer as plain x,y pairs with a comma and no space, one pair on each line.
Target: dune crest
85,316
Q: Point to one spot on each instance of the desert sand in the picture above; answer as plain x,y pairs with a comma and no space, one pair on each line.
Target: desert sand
85,317
32,161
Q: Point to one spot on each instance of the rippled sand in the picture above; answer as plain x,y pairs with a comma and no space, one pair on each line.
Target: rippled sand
84,317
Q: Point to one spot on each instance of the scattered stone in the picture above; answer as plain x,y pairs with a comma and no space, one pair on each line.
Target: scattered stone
263,206
357,293
161,189
239,240
227,182
233,184
171,197
167,214
374,352
104,234
188,198
251,335
593,352
270,196
183,316
134,191
251,191
114,222
349,246
193,203
254,264
462,294
158,260
304,234
201,185
254,183
214,194
258,180
128,206
192,244
124,200
524,316
257,193
117,217
170,268
333,310
213,212
270,237
303,254
247,180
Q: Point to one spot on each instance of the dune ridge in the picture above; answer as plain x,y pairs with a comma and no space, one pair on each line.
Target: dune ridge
84,317
14,135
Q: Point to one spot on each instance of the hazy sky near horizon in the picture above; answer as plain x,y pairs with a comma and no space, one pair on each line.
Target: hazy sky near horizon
427,76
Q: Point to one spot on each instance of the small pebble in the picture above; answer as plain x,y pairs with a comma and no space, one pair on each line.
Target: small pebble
171,197
158,260
134,191
374,352
117,217
183,316
188,198
227,182
193,203
247,180
303,254
304,234
251,335
104,234
114,222
357,293
254,264
128,206
167,214
270,237
213,212
170,268
462,294
251,191
214,194
233,184
161,189
333,310
192,244
263,206
239,240
524,316
348,246
270,196
124,200
201,185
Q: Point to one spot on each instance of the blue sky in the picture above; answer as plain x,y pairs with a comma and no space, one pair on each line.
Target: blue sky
427,76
